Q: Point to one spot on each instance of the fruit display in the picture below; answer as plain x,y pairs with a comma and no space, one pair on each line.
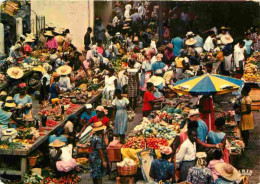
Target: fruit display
159,131
142,143
251,73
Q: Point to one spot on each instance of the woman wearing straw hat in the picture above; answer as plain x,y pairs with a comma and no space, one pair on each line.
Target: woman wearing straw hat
61,156
191,52
27,47
59,38
64,82
51,42
200,174
16,54
99,165
5,113
24,99
227,174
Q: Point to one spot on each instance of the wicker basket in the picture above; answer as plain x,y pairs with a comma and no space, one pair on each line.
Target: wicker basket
127,170
32,160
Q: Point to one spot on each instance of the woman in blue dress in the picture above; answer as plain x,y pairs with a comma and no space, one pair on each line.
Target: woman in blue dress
121,118
99,165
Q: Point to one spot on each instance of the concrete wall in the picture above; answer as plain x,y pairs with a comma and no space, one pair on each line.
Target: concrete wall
103,9
76,15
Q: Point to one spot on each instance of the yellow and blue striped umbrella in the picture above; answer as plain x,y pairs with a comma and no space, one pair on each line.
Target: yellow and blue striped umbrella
207,84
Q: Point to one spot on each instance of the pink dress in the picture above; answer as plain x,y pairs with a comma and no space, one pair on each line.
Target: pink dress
211,166
51,44
67,163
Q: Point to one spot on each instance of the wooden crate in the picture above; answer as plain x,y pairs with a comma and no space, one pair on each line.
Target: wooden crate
255,106
114,153
255,94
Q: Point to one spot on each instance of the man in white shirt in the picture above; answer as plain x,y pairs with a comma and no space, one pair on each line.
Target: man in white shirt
185,157
239,56
209,45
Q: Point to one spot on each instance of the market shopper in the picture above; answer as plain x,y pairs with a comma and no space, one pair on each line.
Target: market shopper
200,174
209,44
217,158
206,110
121,119
239,58
110,87
161,169
228,53
70,127
87,39
133,84
191,52
99,165
248,44
218,136
247,118
45,84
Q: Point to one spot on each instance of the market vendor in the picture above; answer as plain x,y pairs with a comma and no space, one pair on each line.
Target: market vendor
54,87
87,115
161,169
16,54
27,45
24,99
101,116
227,174
69,127
45,83
149,100
61,156
159,64
157,80
191,52
5,113
64,81
51,42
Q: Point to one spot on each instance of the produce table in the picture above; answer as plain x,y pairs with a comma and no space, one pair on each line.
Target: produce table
23,153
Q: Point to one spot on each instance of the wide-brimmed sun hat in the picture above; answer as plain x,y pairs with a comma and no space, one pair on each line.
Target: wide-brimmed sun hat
98,126
28,40
57,144
226,39
9,102
3,93
227,171
15,72
224,28
194,112
48,33
126,26
156,80
64,70
59,30
201,155
30,35
191,41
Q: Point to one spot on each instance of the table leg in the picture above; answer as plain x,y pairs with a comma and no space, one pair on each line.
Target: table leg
23,166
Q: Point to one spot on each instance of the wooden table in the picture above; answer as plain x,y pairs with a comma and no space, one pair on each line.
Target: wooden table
23,153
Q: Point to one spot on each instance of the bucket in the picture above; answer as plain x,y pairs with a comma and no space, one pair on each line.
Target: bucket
32,160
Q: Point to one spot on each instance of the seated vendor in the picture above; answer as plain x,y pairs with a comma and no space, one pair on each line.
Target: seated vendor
58,136
51,42
79,76
24,99
61,156
161,169
64,81
5,113
101,116
70,126
16,54
87,115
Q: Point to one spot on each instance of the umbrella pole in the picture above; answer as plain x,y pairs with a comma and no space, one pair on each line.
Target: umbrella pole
209,121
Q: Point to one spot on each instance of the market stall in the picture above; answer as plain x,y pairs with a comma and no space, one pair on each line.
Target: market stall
22,148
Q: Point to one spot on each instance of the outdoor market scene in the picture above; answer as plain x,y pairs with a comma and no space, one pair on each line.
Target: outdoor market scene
129,92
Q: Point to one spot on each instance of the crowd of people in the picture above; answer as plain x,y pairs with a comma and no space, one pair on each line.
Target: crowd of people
153,66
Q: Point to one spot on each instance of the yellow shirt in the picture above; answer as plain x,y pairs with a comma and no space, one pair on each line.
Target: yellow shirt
178,62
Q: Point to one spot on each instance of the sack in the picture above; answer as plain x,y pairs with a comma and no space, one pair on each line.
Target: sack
131,115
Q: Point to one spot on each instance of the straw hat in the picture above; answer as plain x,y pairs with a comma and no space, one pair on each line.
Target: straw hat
9,102
136,39
50,25
190,33
194,112
191,41
226,39
3,93
98,126
48,33
88,106
28,39
59,30
64,70
219,42
15,72
224,28
227,171
31,35
57,144
126,26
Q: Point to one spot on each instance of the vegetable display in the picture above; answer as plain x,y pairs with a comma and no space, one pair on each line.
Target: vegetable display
142,143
